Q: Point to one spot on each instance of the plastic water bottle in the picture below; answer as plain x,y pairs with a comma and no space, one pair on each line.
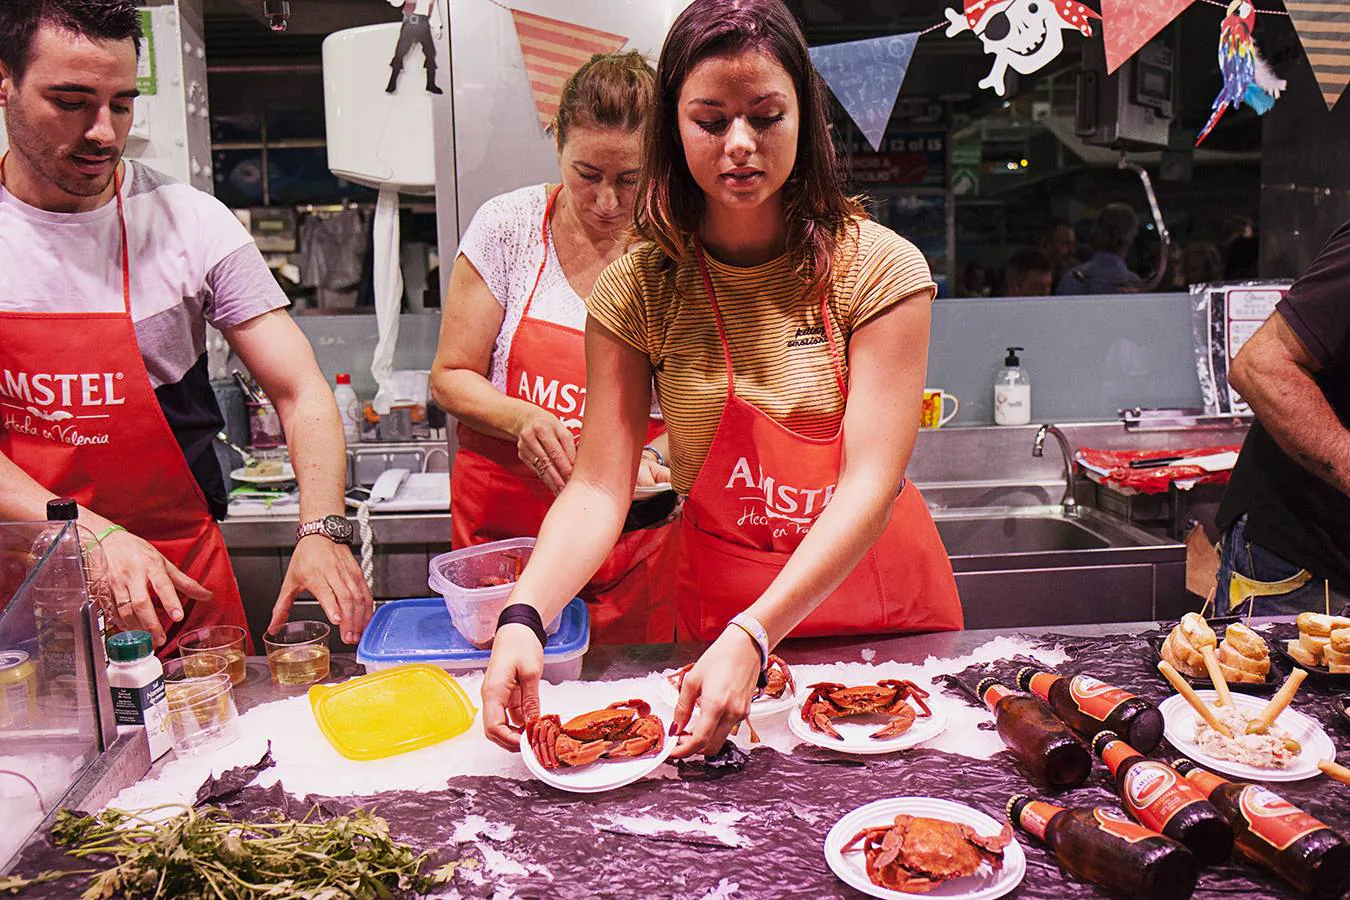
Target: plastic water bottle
349,408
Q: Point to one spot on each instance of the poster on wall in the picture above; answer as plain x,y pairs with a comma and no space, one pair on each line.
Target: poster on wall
1223,319
916,159
147,72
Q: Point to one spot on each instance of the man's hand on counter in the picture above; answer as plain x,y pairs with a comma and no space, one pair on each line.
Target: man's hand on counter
329,572
139,576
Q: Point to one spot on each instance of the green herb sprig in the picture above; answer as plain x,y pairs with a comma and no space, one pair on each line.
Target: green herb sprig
206,853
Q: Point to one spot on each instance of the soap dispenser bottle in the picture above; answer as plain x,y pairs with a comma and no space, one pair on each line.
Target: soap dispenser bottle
1012,392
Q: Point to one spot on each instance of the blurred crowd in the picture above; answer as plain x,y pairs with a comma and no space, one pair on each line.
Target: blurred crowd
1112,260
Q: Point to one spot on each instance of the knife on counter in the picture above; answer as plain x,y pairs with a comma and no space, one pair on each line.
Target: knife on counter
1210,462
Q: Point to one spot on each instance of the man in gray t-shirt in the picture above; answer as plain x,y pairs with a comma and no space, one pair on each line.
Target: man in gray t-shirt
93,245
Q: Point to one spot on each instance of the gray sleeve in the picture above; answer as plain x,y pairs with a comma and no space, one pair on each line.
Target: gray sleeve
241,287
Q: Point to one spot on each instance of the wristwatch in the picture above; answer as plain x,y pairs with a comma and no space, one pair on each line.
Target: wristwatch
336,528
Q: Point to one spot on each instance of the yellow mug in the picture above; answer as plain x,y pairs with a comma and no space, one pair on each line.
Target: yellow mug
932,414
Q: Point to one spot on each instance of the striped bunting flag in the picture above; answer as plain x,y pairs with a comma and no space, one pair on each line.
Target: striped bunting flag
553,50
1324,28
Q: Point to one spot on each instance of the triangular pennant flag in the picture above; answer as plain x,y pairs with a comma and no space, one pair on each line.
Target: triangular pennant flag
553,50
1324,28
1128,25
866,76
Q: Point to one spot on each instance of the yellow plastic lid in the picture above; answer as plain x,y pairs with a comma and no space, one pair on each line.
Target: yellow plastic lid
390,712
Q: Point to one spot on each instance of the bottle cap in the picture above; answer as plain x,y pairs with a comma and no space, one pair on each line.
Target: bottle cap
62,509
1184,765
1012,358
1015,804
1024,676
344,378
129,646
1102,739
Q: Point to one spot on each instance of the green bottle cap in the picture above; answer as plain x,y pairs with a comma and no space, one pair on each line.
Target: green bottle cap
129,646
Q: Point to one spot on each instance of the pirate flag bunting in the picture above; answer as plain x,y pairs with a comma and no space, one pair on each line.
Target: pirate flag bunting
1022,35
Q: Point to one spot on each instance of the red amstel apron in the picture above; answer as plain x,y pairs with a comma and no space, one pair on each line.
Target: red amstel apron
79,415
494,496
758,493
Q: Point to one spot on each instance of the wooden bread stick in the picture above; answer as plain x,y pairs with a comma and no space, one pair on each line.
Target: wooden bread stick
1222,697
1261,724
1334,771
1200,706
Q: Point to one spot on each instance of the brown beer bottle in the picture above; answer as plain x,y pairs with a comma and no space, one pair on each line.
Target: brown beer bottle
1100,845
1160,800
1088,706
1042,744
1274,833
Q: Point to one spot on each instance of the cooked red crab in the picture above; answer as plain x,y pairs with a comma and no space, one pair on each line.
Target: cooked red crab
888,697
619,731
917,854
779,679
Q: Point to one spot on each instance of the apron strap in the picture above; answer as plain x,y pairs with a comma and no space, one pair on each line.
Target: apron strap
122,227
548,217
717,317
836,362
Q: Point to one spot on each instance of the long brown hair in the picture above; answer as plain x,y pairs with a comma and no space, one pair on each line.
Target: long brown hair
670,203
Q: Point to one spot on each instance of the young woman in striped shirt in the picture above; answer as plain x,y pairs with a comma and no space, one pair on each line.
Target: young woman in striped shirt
788,338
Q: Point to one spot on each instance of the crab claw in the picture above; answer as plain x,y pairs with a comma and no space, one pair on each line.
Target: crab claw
899,724
641,707
571,752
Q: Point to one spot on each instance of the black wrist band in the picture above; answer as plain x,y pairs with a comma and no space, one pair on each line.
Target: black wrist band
524,614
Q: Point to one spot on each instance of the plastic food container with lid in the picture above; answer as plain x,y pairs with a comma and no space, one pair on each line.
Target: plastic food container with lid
420,631
476,583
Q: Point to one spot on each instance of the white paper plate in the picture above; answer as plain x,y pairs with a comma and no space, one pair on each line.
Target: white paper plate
1179,729
247,477
985,884
601,776
762,708
857,732
643,491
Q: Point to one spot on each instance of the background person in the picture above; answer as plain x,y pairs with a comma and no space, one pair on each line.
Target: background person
1286,511
111,272
511,365
1106,272
788,336
1028,273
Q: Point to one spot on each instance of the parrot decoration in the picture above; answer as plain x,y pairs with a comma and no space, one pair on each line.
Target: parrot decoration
1246,76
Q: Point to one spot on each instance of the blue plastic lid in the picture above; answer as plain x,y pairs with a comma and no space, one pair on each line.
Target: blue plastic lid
408,631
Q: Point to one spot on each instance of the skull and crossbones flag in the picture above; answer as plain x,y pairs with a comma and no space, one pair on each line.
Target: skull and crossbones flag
1022,35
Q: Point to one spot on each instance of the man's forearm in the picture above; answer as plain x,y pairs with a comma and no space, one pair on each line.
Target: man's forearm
23,499
1294,410
314,437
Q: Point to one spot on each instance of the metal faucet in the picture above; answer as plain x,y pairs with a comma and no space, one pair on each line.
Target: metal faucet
1069,504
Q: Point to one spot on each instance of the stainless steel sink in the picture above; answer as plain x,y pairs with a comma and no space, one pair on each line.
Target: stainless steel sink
1036,566
1016,534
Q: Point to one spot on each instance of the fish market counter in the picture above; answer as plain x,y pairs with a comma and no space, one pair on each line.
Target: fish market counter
744,824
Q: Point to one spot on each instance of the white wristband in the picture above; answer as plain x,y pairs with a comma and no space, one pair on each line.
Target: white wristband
751,626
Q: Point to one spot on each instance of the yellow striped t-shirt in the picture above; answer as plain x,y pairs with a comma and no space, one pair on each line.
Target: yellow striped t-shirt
778,345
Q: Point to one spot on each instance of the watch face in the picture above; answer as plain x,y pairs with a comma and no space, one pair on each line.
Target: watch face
338,528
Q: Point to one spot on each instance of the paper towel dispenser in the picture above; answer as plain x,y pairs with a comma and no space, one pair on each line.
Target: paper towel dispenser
379,139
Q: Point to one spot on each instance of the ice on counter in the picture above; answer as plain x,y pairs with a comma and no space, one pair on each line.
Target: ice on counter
307,764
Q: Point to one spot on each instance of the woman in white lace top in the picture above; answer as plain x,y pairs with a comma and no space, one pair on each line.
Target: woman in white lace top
511,363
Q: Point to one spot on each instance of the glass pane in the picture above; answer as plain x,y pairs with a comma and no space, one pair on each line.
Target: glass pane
49,729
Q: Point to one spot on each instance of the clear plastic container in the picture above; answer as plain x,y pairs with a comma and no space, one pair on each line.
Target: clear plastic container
477,582
202,714
408,631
